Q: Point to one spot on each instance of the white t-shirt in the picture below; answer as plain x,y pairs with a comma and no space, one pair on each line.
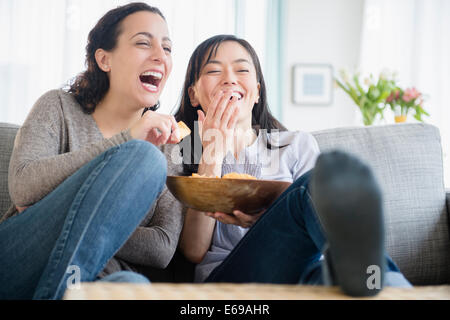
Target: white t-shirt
285,164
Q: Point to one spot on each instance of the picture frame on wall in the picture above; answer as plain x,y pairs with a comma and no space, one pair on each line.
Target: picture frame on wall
312,84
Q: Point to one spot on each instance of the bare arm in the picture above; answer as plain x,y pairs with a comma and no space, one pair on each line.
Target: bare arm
198,228
222,115
197,235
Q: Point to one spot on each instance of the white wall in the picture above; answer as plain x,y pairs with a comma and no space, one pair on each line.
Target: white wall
325,32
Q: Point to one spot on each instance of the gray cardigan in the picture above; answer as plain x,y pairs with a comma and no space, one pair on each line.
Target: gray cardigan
56,140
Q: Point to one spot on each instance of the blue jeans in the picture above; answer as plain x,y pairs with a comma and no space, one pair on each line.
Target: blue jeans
81,224
285,246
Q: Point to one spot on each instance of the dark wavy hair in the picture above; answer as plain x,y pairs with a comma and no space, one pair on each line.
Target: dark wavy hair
262,118
90,86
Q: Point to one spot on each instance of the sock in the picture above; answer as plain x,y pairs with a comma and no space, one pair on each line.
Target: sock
348,203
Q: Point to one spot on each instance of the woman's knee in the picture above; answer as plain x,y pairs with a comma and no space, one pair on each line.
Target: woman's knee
303,180
149,157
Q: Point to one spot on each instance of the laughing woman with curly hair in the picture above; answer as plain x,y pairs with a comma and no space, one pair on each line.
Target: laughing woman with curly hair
86,175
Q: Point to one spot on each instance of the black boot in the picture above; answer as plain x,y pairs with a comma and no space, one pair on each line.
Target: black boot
348,202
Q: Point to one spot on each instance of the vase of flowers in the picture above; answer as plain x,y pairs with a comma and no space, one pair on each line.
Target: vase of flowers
370,97
403,101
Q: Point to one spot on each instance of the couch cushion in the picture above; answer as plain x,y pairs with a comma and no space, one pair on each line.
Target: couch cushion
407,160
7,135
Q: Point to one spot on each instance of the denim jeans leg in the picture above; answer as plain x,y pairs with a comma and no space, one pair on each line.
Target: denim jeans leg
125,276
279,246
318,273
82,223
105,212
27,239
393,277
283,246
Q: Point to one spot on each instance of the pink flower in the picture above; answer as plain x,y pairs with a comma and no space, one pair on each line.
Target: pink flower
410,94
393,96
390,98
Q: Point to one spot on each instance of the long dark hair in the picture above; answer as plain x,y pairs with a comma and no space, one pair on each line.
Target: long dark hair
90,87
262,119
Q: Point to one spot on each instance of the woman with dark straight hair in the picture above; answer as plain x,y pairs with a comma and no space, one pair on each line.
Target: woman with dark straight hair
86,178
262,118
332,209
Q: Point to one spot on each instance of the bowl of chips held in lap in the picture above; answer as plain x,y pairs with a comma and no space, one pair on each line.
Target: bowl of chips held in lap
234,191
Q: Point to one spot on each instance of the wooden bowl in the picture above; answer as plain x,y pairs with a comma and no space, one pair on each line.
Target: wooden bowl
225,195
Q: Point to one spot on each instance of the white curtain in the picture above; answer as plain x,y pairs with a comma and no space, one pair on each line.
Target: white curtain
412,38
42,44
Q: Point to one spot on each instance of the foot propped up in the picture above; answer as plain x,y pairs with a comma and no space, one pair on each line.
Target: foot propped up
348,202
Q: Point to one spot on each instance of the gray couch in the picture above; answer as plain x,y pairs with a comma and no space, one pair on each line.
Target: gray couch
407,160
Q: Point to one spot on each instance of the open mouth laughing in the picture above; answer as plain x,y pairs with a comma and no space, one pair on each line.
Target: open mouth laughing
150,80
236,94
